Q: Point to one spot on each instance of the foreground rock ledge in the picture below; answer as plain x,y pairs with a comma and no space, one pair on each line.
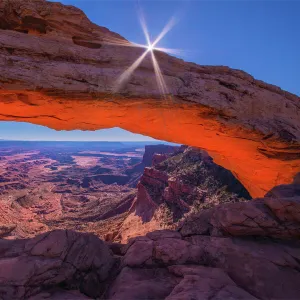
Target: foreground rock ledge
247,250
60,70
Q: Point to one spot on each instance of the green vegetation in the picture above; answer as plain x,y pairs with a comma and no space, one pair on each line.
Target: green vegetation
199,183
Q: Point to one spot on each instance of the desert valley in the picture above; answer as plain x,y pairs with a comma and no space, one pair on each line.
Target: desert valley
170,217
93,187
69,185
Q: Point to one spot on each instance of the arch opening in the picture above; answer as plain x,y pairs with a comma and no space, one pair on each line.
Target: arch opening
260,162
97,181
60,78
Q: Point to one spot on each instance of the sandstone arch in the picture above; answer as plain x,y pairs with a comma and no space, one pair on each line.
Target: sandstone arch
58,70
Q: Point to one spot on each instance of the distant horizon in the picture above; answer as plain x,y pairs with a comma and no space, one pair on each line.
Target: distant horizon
89,141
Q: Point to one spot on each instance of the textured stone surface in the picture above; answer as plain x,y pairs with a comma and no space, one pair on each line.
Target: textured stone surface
225,267
211,268
6,229
60,295
284,190
266,269
64,265
187,181
136,284
205,283
60,70
163,234
273,217
74,260
138,253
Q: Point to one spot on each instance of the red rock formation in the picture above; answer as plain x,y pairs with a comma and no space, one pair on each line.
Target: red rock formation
159,158
59,70
28,267
272,217
6,229
151,151
246,250
188,180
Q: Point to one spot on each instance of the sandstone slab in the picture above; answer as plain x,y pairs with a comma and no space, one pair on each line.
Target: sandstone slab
78,261
265,269
271,217
205,283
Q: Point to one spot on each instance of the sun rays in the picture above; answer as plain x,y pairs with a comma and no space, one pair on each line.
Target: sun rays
150,48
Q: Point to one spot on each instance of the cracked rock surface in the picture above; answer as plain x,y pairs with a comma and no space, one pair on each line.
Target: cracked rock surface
70,259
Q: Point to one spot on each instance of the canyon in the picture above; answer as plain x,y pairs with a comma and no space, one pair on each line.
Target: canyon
88,187
114,190
176,185
189,230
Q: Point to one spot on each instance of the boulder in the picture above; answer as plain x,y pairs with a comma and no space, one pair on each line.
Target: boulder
138,253
284,191
74,260
204,283
270,217
266,269
66,265
137,284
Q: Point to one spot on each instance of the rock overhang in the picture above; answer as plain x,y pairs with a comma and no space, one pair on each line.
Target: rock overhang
64,77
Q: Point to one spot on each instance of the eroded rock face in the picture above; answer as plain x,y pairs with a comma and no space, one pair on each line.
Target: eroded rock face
152,154
209,263
273,217
74,260
142,283
52,19
60,70
59,294
190,263
6,229
151,150
177,184
266,269
285,190
205,283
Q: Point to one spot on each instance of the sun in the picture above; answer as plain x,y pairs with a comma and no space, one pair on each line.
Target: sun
150,48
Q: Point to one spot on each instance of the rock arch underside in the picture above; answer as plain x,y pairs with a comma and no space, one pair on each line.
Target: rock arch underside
60,70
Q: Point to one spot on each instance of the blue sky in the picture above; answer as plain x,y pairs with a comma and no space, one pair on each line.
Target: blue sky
259,37
30,132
